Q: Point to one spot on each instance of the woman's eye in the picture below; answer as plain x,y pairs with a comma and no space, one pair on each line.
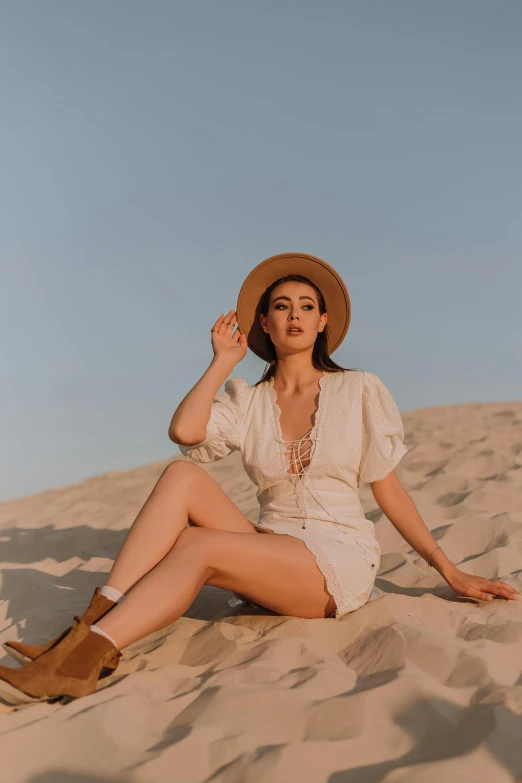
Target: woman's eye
282,305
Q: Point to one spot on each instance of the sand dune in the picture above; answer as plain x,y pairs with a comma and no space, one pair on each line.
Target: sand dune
418,685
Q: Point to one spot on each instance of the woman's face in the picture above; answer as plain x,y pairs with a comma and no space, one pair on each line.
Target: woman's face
293,304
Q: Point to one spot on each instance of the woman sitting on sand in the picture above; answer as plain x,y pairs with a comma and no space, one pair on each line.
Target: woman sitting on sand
308,432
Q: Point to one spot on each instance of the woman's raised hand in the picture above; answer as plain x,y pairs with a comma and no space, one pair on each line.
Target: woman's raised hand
224,342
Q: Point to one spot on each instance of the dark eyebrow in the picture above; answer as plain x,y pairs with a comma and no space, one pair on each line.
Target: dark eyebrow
289,300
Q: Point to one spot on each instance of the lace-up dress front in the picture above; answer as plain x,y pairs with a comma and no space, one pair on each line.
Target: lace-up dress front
309,488
298,459
297,453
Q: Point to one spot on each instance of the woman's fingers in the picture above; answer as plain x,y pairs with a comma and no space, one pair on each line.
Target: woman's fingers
225,326
224,322
502,589
488,588
476,593
231,322
219,321
224,340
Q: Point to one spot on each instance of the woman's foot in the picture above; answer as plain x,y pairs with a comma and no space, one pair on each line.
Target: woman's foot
25,653
70,669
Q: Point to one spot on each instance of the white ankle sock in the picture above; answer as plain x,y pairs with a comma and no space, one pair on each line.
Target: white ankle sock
111,593
102,633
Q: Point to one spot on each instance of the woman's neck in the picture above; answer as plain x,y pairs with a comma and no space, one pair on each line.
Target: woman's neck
295,378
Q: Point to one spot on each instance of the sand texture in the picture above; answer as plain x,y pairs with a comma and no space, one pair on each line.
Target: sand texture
418,685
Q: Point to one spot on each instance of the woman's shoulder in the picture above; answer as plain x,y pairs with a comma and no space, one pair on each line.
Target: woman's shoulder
236,384
348,378
360,376
360,382
239,391
370,379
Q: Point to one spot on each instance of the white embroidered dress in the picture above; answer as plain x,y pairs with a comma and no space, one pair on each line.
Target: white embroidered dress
309,488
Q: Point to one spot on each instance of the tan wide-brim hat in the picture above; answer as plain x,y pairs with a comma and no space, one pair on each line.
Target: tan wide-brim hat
329,282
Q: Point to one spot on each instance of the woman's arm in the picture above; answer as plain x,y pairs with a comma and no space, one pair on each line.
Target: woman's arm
397,505
400,509
190,419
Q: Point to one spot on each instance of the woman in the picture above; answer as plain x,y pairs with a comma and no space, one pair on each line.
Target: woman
308,432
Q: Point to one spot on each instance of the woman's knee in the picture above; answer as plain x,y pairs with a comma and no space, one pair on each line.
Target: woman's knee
181,471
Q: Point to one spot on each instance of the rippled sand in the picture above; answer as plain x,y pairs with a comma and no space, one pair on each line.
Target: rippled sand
418,685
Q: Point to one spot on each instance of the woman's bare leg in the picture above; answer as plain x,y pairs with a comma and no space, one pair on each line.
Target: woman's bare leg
182,487
276,571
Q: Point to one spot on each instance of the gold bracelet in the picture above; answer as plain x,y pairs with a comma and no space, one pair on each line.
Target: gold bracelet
429,561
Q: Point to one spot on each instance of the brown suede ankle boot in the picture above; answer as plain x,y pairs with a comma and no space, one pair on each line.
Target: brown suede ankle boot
70,669
25,653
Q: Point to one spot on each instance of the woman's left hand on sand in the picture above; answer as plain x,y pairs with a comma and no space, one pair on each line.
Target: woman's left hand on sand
479,587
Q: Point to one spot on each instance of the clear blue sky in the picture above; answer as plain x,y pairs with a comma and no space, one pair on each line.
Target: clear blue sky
153,152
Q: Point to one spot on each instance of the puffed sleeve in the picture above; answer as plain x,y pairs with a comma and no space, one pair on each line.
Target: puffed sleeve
224,426
382,430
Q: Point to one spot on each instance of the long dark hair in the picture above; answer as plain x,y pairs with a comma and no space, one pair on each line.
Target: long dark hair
321,359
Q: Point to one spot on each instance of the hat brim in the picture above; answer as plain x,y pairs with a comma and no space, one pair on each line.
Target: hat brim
264,274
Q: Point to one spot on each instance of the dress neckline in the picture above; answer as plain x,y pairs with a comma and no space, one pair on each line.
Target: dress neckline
310,435
277,410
